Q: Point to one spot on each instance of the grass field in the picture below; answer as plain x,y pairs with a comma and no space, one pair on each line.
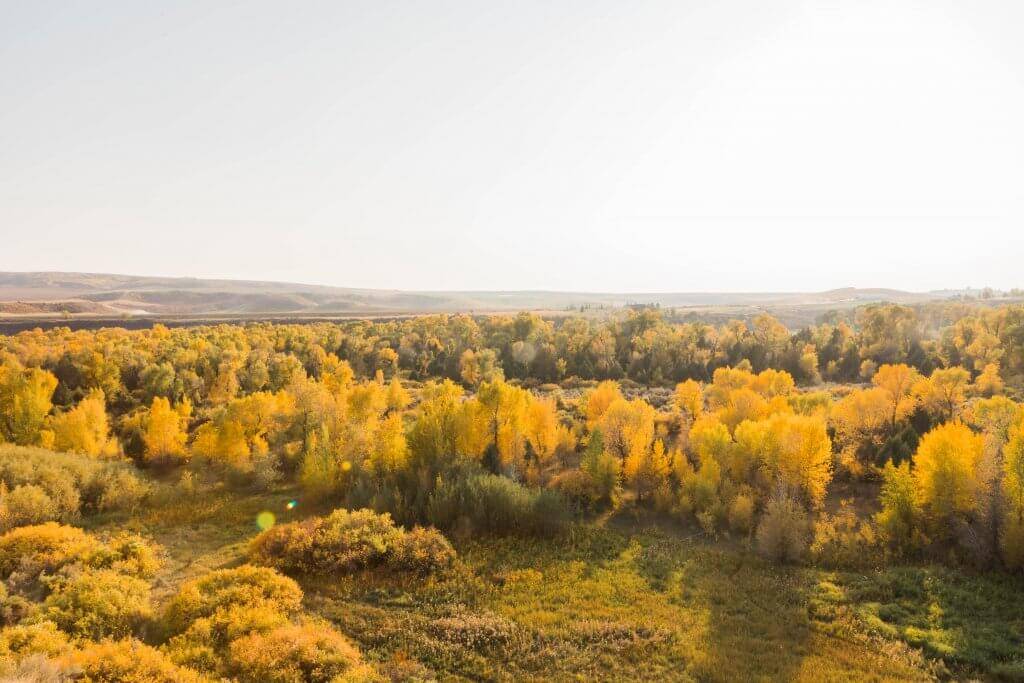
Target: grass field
626,599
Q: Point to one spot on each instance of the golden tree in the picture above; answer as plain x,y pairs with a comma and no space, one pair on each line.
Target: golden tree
897,381
85,428
25,401
947,477
165,430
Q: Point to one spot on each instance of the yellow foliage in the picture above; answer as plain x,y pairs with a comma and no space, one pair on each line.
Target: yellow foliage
1012,536
598,400
989,383
946,471
295,653
398,398
127,661
84,428
944,392
796,452
164,430
542,428
627,425
689,397
24,401
897,381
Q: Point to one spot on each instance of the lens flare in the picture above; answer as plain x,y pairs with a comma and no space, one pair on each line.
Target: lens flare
290,505
265,520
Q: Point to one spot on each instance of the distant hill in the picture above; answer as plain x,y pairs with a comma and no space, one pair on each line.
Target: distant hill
50,294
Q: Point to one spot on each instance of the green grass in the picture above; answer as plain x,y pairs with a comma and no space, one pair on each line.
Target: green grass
628,600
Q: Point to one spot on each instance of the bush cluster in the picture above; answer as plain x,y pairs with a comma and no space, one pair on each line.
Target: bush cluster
245,624
346,541
480,503
60,586
37,485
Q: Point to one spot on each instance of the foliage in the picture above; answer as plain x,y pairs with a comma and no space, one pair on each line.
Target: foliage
99,603
127,661
294,653
224,589
345,541
72,484
480,503
784,532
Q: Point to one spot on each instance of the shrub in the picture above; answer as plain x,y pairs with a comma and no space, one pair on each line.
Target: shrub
784,531
741,514
127,553
99,603
26,504
245,586
127,661
25,640
423,551
343,541
75,483
843,540
203,645
301,653
346,540
114,487
488,503
32,550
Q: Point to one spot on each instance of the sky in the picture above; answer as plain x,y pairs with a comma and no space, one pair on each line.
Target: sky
583,145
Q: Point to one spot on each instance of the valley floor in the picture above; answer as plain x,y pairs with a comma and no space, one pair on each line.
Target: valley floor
623,598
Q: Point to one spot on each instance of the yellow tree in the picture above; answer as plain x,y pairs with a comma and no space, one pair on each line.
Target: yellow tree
505,407
25,401
645,469
541,426
164,430
861,421
947,474
398,398
689,399
989,383
599,399
945,391
797,453
897,381
85,428
389,452
626,425
1011,538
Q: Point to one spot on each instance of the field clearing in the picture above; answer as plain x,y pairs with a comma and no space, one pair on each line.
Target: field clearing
623,598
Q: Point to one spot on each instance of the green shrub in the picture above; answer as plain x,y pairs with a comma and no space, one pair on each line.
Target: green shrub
844,541
114,487
489,503
99,603
245,586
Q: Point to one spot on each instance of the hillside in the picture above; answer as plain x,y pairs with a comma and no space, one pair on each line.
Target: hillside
89,294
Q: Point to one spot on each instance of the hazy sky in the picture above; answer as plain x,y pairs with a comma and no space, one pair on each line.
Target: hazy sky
477,144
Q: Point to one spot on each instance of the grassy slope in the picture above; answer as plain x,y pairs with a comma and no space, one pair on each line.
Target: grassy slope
627,601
